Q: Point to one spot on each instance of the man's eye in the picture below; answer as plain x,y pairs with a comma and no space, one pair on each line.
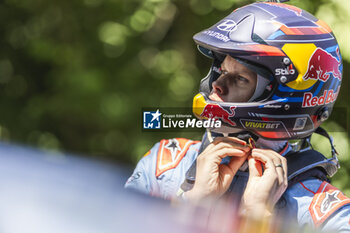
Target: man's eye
224,72
242,79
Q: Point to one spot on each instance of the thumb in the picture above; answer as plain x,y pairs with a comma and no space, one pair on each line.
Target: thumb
255,167
236,162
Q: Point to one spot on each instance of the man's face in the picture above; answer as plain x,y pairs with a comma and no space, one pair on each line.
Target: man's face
235,84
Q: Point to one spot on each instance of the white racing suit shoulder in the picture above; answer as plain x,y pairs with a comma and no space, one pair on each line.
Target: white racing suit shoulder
162,170
317,203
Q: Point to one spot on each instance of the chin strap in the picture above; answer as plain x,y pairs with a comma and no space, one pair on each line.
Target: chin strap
301,161
323,132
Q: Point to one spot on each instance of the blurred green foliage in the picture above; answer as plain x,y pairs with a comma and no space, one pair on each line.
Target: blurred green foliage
74,74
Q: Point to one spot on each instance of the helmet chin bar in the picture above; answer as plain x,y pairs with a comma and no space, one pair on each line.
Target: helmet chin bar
241,134
269,119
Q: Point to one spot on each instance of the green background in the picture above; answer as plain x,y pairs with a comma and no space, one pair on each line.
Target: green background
75,74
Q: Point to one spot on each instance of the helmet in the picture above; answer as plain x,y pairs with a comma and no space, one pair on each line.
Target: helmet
298,55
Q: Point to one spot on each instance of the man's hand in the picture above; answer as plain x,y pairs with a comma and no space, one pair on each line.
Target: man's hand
212,178
265,188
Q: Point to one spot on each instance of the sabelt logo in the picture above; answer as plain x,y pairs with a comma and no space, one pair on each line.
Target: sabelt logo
228,25
321,64
329,96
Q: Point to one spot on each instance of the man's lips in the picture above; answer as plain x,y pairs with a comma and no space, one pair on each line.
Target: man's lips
215,97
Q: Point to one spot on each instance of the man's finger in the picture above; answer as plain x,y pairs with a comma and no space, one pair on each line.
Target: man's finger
224,144
255,167
270,168
230,139
278,163
285,169
236,162
229,151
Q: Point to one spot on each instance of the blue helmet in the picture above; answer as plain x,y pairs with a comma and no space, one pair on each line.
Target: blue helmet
297,55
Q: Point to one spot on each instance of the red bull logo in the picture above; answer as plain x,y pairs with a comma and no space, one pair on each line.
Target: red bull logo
329,96
217,112
321,65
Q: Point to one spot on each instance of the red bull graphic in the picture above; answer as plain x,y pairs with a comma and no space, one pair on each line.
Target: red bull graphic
329,96
321,64
218,112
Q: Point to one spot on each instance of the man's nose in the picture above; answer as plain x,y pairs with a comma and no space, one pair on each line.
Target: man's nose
220,85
